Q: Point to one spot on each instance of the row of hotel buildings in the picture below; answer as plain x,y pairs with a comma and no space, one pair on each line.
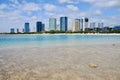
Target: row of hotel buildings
77,25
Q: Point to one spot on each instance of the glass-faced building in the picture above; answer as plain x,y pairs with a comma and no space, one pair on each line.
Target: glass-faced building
100,25
105,29
23,30
63,23
116,28
43,27
39,26
81,24
12,30
92,25
27,29
52,24
17,30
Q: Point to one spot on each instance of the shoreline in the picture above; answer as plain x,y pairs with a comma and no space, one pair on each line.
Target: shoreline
57,46
68,34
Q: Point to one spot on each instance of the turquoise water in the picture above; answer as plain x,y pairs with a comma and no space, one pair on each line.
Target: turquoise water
55,40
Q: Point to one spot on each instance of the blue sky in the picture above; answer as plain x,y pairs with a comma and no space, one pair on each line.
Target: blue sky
14,13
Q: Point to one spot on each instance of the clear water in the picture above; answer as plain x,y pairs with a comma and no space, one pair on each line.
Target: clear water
55,40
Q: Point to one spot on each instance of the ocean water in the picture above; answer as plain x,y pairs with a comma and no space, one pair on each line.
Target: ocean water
9,41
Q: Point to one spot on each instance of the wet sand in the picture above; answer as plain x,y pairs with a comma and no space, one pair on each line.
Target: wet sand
61,63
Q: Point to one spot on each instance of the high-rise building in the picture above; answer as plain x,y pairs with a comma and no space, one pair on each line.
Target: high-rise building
63,23
116,28
86,20
39,26
81,24
105,29
84,23
12,30
17,30
23,30
92,25
27,29
52,24
58,27
43,27
100,25
76,25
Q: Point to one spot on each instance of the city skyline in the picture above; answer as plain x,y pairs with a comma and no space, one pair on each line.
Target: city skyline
82,24
14,13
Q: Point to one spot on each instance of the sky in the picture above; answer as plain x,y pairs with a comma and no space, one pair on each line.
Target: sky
14,13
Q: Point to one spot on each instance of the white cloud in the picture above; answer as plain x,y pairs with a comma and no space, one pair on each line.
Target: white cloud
14,1
49,14
3,6
64,1
112,3
98,12
50,7
69,1
115,3
72,7
90,1
15,20
83,14
10,19
31,7
104,3
17,11
10,15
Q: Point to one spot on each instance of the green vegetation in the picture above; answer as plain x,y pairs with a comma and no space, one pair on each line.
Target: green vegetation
70,32
53,32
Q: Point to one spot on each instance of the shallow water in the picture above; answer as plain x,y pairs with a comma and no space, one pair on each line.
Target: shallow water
61,63
55,40
59,57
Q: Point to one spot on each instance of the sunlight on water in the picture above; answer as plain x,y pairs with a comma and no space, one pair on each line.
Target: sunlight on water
55,40
59,57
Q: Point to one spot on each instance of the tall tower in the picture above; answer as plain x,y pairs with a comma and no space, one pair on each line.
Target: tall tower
17,30
27,29
43,27
76,25
39,26
92,25
81,23
100,25
52,24
84,23
63,23
86,20
12,30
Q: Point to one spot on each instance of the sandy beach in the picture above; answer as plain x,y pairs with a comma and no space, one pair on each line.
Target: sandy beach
61,63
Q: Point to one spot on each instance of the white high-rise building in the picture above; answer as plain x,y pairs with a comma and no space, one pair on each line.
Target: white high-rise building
84,23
